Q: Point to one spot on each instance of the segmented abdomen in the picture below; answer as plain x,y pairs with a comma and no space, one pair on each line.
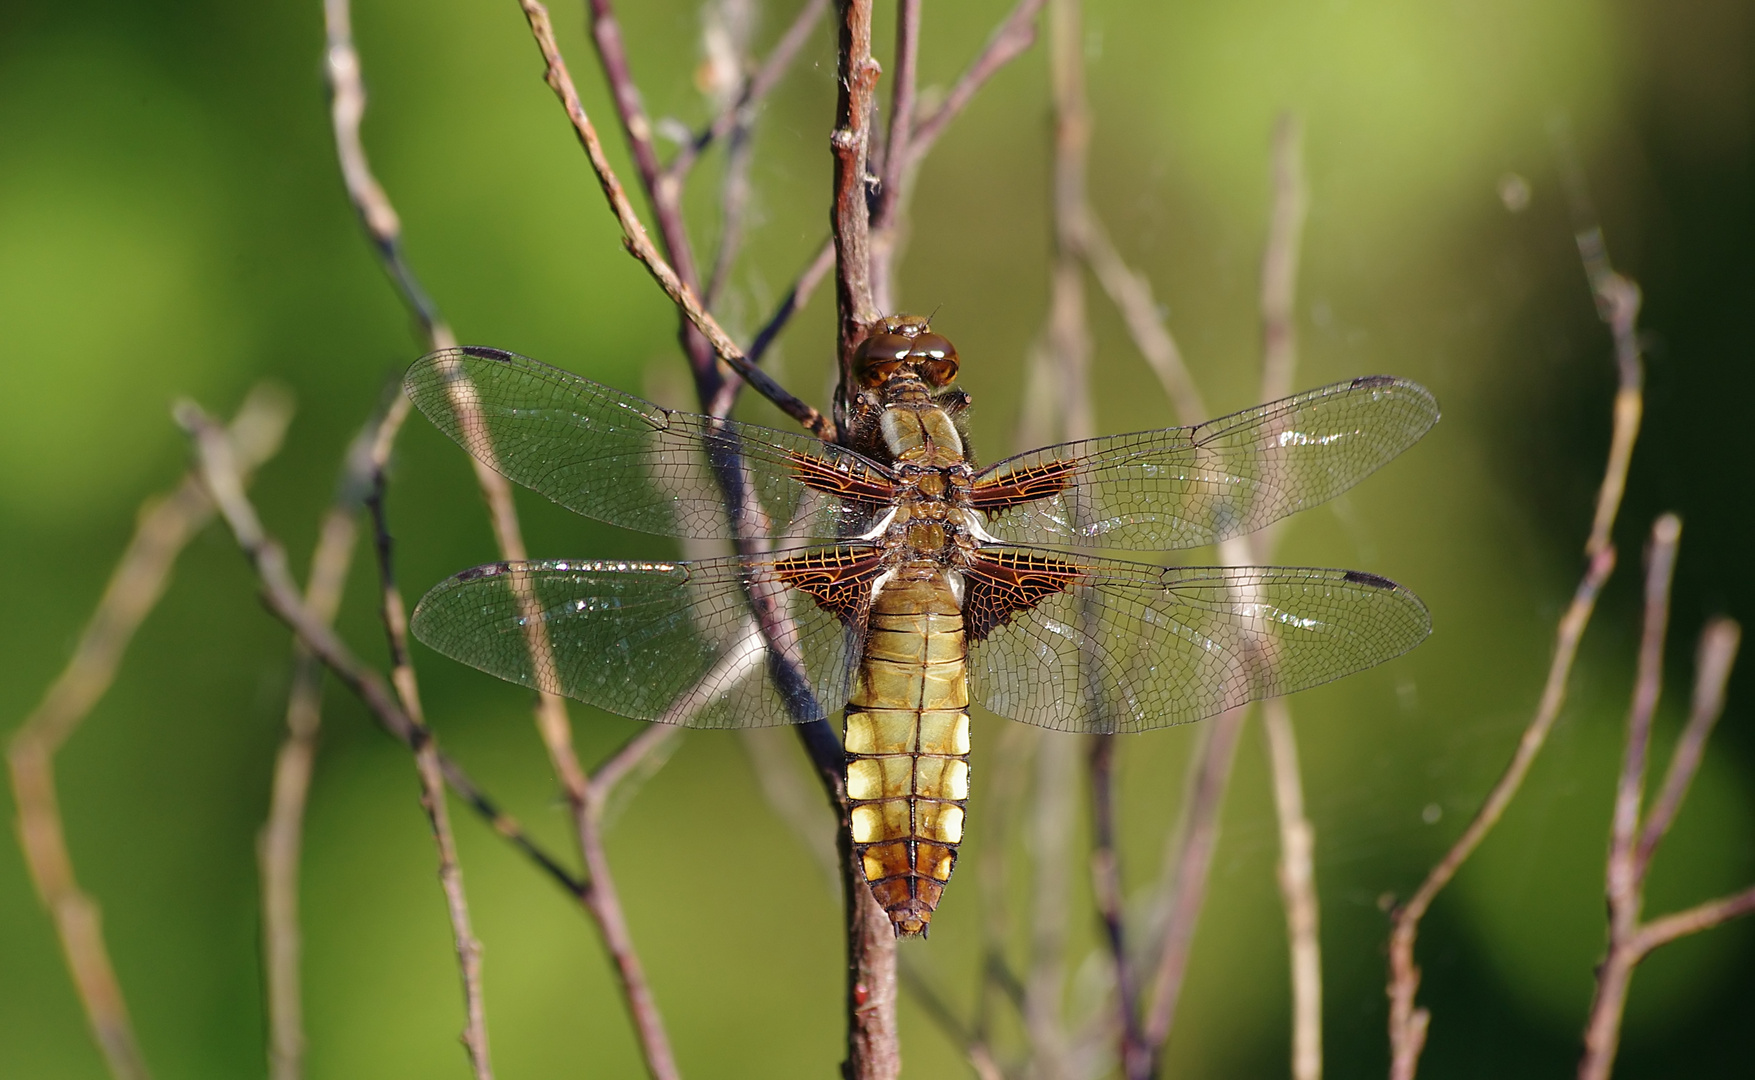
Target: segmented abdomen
907,740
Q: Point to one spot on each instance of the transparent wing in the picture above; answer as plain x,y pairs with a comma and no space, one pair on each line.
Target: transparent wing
1099,646
671,642
1184,487
617,458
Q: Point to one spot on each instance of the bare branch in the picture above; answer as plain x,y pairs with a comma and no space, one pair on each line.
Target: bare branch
912,137
858,75
166,525
737,114
1131,294
1712,666
1297,879
1618,302
1016,33
282,838
347,106
639,244
873,1048
432,781
1136,1055
1624,885
1407,1023
1629,940
1693,921
1198,838
281,597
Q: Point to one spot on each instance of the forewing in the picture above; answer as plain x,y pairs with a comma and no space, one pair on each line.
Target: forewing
1184,487
671,642
1098,646
617,458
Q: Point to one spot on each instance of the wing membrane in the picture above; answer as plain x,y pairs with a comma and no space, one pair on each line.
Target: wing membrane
672,642
1184,487
617,458
1098,646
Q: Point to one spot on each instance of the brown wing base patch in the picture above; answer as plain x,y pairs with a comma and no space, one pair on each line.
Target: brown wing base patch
999,584
838,579
861,485
1025,485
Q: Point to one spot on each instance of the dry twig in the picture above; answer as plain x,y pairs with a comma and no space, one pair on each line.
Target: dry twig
1618,306
432,781
282,837
166,525
736,114
1631,847
639,243
599,895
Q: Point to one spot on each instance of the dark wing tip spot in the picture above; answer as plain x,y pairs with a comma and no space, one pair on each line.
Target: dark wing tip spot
1360,577
1373,381
486,353
490,570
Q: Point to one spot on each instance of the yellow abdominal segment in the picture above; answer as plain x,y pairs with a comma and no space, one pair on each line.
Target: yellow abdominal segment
907,742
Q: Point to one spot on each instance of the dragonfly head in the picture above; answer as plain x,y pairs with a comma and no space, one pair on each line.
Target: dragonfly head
902,353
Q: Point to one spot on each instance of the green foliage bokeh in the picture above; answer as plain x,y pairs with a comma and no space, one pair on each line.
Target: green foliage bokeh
172,223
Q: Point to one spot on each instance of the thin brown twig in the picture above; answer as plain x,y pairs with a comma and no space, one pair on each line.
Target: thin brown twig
873,1045
1718,649
166,525
1630,941
890,162
1131,293
1136,1055
857,73
426,759
218,468
736,114
1624,880
347,107
912,137
1196,842
639,243
663,193
791,304
282,838
1618,304
1015,33
552,722
1407,1023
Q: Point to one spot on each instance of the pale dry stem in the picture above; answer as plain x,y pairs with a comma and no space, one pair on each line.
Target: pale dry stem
1618,305
279,845
166,525
1631,848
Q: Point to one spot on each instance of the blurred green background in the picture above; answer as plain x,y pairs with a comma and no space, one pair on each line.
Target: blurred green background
172,222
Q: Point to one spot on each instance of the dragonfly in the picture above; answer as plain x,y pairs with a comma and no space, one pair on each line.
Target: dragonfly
891,578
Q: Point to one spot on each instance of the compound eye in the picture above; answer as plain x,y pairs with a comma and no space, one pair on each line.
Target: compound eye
878,357
937,357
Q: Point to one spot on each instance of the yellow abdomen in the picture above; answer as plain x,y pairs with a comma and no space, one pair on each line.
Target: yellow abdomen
907,741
